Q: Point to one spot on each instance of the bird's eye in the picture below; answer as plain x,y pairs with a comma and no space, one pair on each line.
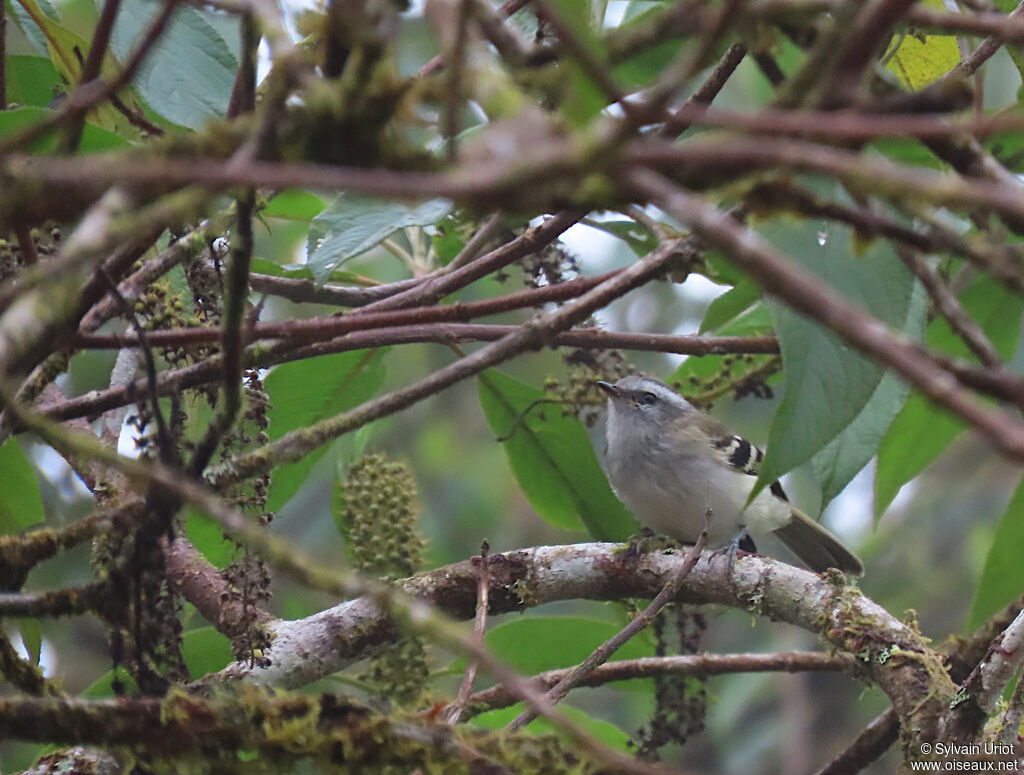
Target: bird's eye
648,399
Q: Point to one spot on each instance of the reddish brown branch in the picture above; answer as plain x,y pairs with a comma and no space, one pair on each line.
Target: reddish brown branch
99,401
328,327
700,664
805,293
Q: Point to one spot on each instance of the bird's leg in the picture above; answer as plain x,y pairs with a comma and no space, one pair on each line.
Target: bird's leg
741,542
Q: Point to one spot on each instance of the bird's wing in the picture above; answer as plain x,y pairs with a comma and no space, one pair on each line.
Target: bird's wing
739,454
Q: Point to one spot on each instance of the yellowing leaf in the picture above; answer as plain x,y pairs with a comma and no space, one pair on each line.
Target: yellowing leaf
921,59
67,51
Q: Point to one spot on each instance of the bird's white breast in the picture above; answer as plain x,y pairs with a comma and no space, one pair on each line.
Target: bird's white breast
670,491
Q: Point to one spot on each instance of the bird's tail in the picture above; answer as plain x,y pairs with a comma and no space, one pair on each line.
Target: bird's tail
817,548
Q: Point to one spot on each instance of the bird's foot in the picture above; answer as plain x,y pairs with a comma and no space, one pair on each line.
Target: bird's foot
740,545
647,542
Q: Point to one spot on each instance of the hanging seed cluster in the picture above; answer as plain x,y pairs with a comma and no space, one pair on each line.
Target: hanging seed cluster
378,516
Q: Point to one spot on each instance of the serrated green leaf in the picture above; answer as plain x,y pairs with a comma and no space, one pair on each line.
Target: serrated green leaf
842,459
1002,577
21,504
828,383
304,392
922,430
188,75
352,224
551,458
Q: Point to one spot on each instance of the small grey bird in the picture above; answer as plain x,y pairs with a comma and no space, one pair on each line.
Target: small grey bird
669,463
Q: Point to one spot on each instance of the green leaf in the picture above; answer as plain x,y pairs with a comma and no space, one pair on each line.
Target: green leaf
908,150
21,504
844,457
208,537
93,137
584,98
604,731
32,81
639,240
448,239
537,643
188,75
922,430
205,651
552,459
304,392
828,383
698,374
644,67
729,305
1008,148
104,685
295,204
647,65
32,637
352,224
1002,577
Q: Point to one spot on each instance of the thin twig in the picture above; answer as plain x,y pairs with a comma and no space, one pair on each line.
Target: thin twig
950,307
455,712
690,664
232,335
874,740
26,245
91,70
205,372
456,67
602,653
537,333
677,122
471,250
164,440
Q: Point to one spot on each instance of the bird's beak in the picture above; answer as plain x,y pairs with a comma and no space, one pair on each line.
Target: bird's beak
612,391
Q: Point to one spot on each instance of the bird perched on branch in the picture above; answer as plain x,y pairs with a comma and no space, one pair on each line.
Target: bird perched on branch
670,463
